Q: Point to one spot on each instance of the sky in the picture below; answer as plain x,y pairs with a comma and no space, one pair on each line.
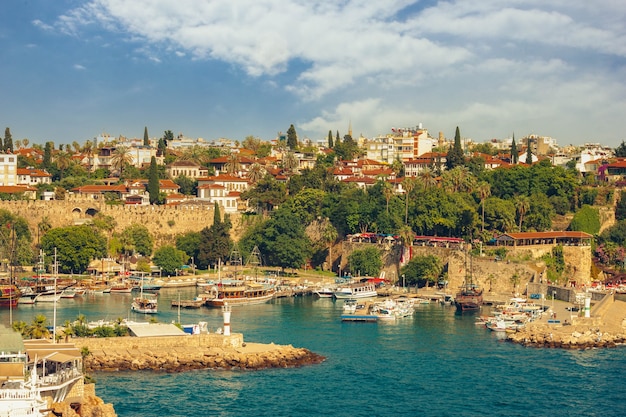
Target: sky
71,70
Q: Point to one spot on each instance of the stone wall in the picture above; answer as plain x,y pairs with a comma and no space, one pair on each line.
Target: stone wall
163,222
235,340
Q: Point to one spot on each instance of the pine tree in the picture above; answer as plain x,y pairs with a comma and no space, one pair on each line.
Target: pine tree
292,138
153,182
514,155
8,141
529,153
146,139
455,156
330,139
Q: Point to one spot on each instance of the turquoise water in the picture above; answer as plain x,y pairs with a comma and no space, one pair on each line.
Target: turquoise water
437,363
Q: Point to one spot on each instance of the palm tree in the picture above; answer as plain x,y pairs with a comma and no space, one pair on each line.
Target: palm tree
406,235
290,162
38,329
329,235
409,185
522,204
63,161
121,157
387,192
484,191
427,178
256,172
232,163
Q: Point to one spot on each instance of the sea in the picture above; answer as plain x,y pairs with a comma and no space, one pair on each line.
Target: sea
437,363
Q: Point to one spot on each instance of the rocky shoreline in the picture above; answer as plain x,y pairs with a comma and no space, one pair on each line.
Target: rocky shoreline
167,354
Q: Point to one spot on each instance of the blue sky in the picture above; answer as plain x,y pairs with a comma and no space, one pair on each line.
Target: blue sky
73,69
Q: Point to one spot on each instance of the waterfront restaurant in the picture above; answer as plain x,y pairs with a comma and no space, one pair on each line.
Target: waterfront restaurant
565,238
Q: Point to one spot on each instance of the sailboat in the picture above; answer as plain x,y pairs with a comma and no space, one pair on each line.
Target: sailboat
470,295
146,304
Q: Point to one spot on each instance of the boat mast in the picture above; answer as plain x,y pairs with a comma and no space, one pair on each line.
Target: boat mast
54,315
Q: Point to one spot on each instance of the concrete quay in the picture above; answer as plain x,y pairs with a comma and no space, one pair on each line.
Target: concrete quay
183,353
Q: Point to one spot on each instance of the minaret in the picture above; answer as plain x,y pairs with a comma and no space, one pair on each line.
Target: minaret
350,128
442,140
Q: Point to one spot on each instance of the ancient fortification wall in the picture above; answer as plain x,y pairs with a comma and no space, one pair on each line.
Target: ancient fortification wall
163,222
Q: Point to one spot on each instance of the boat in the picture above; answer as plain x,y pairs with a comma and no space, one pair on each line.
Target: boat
68,293
470,295
147,304
48,297
195,303
358,290
469,298
9,294
325,292
362,313
121,288
240,293
391,309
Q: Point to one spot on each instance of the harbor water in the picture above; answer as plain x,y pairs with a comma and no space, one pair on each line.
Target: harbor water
437,363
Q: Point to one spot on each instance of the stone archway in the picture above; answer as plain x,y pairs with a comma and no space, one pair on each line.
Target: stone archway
91,212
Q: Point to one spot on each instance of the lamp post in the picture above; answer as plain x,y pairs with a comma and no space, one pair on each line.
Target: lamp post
403,281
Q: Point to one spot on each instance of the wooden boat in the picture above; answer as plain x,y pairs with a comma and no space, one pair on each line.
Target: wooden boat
145,304
9,294
469,298
121,288
240,293
48,297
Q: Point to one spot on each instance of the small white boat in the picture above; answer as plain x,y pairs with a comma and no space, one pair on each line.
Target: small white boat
146,305
325,292
48,297
68,293
349,305
361,290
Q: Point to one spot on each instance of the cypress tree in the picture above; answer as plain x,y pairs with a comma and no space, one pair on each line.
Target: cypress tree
153,182
330,139
514,155
8,141
337,140
529,153
217,218
292,138
47,155
146,139
455,156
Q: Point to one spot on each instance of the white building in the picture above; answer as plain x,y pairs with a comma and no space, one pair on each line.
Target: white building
8,169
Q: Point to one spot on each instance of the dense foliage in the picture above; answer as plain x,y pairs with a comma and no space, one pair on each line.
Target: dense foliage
75,247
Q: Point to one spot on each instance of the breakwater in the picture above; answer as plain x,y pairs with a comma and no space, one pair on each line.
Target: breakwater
183,353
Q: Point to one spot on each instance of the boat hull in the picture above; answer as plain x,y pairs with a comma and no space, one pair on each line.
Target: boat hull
235,301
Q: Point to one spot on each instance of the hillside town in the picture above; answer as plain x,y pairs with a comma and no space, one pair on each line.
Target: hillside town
403,152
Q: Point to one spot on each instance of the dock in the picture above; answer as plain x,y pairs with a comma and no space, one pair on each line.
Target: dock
362,314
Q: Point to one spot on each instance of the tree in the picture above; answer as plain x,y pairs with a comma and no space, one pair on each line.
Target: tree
587,220
121,157
232,163
422,269
76,247
484,190
620,207
169,259
409,185
256,172
137,238
620,151
188,186
292,138
455,156
522,204
366,262
290,162
215,241
329,235
189,243
153,182
514,152
8,141
47,155
283,240
529,153
330,140
146,139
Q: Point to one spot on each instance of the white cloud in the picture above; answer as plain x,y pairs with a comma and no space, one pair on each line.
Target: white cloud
491,64
79,67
